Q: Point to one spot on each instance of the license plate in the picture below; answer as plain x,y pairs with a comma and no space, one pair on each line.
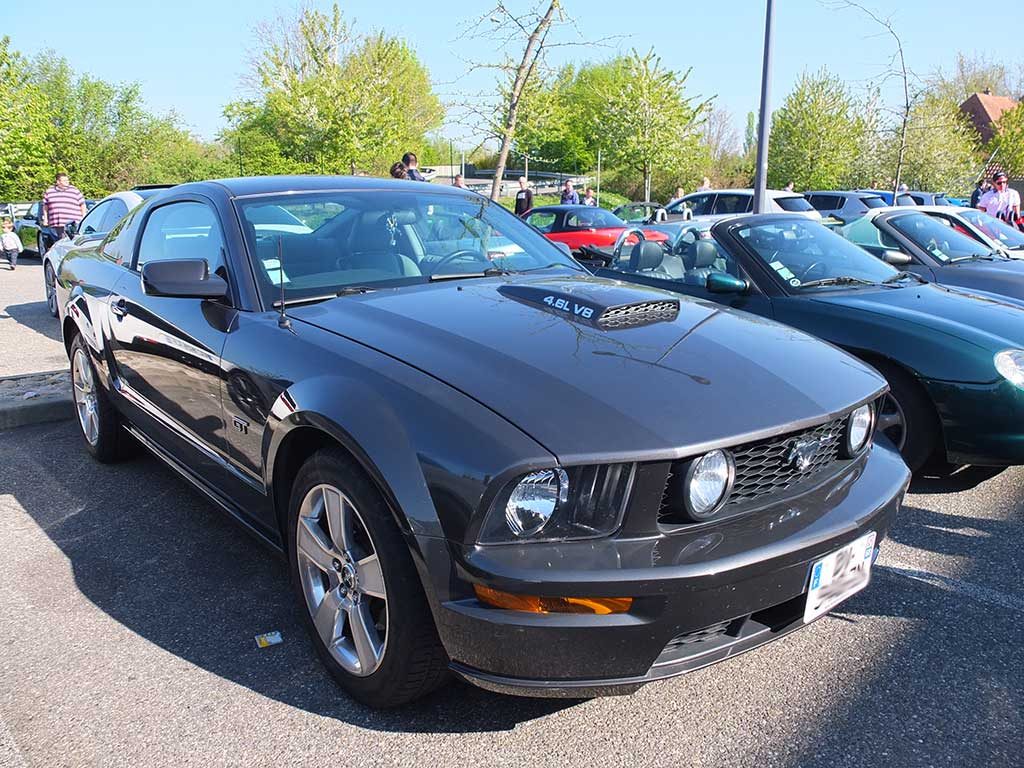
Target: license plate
837,576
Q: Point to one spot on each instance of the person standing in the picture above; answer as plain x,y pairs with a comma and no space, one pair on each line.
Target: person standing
412,165
62,204
588,198
399,171
10,244
1001,201
789,187
980,188
524,198
459,182
569,194
680,193
705,185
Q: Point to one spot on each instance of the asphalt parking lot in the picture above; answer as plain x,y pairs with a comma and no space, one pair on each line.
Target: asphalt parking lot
29,336
128,608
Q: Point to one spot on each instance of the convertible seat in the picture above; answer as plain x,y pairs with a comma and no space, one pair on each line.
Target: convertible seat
705,253
646,256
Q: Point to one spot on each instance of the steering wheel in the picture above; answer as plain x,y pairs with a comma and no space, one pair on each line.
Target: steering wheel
806,272
474,255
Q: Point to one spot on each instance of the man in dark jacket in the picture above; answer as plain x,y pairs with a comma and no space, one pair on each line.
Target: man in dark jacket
412,166
524,198
569,194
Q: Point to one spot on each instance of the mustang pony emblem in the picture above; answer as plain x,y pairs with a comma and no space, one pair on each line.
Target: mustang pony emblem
802,454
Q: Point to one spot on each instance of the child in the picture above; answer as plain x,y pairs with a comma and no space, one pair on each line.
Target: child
10,244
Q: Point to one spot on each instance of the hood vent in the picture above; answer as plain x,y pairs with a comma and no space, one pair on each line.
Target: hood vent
633,315
599,306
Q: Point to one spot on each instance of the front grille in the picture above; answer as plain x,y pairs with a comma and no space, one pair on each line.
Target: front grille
632,315
705,634
764,468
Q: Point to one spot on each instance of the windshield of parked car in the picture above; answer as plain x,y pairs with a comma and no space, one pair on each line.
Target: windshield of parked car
316,244
998,230
938,237
809,256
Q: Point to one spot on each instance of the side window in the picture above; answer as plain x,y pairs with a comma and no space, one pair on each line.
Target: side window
116,210
34,210
578,221
185,230
543,221
919,199
731,203
701,205
117,245
93,221
825,202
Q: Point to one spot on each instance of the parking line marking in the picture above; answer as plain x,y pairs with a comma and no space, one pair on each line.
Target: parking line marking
965,588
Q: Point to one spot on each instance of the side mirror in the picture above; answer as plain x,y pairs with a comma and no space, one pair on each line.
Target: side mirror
71,229
723,282
896,258
182,279
564,249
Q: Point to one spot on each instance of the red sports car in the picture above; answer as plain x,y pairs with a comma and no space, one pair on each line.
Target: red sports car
580,225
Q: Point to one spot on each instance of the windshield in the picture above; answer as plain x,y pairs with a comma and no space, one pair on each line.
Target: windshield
938,237
998,230
801,251
315,244
794,204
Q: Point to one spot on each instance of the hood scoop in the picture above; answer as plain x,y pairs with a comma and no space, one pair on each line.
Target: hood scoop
608,307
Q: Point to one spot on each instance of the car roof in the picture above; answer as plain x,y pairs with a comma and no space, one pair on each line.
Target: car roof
744,191
866,192
560,207
268,185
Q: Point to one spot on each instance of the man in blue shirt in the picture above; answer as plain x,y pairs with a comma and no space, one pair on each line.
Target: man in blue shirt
569,195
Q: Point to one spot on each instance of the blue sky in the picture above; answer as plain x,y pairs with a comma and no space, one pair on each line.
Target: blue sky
189,55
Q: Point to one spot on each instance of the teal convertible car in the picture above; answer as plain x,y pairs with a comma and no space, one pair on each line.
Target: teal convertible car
954,361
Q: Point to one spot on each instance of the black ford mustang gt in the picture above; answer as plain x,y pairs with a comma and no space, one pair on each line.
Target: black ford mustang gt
475,456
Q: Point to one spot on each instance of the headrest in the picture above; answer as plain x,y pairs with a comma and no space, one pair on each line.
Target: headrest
646,255
705,254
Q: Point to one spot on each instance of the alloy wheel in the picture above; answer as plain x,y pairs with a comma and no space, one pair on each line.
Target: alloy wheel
85,396
342,580
892,422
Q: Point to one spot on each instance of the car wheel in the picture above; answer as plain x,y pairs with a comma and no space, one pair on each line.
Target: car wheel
40,246
98,420
51,291
361,598
907,417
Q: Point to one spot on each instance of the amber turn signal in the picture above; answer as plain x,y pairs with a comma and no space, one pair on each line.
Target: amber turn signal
532,604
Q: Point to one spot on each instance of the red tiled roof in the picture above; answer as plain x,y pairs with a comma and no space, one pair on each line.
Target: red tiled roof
984,110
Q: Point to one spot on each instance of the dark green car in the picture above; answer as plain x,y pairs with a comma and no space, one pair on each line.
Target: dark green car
954,361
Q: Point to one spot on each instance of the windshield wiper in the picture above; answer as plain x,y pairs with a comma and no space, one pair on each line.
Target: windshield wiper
991,256
902,276
349,290
490,272
841,280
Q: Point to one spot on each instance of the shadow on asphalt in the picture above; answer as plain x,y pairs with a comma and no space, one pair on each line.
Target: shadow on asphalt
962,479
161,560
36,316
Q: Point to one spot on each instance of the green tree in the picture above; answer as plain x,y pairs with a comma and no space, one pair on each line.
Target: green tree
941,147
1009,140
815,134
649,122
24,161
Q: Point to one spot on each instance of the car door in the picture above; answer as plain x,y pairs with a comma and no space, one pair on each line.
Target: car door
731,203
167,350
29,226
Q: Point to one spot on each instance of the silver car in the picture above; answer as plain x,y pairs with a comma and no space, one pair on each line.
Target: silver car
729,202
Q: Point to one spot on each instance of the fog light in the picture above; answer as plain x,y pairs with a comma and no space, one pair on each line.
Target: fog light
533,604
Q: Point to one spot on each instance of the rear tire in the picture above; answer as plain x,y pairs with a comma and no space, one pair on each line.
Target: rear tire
381,645
914,416
98,421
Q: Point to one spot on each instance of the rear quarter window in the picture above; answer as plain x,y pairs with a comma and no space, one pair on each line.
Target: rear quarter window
793,204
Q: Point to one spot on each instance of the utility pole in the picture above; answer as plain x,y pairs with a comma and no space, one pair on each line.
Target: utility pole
599,176
451,160
765,119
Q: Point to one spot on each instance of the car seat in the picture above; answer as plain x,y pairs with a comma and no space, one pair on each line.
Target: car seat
705,254
374,245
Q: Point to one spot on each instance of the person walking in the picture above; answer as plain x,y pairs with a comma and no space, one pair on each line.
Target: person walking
10,244
1001,201
524,198
412,165
62,204
588,198
569,194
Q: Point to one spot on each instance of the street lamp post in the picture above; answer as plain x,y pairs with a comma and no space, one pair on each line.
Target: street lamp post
765,118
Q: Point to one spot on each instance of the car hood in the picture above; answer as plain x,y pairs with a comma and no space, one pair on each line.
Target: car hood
696,376
987,320
1003,277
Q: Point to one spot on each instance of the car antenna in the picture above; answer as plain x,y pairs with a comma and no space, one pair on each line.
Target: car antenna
282,319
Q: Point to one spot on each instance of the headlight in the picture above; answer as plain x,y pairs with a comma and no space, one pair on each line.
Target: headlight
858,430
1010,364
559,505
708,482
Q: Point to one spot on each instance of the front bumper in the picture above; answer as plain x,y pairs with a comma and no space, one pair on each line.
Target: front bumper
699,597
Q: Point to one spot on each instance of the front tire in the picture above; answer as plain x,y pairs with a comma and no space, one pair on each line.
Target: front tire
51,289
360,596
907,417
40,244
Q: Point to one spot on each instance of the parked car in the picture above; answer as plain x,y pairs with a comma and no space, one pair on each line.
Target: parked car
32,233
577,226
929,198
843,206
638,212
545,482
932,246
954,362
1007,237
903,198
99,220
729,202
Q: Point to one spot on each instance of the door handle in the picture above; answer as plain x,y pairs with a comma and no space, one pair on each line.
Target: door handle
119,308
